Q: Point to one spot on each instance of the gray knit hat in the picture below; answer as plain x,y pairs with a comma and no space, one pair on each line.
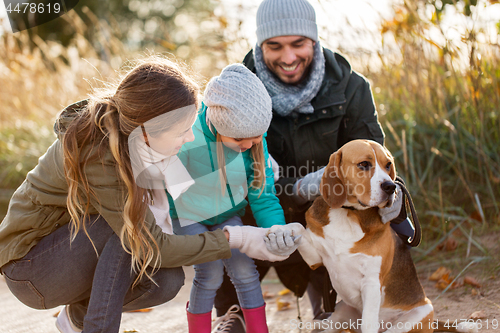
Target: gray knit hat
286,18
238,104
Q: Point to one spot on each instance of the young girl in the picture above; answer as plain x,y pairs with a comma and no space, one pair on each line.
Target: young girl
229,161
82,232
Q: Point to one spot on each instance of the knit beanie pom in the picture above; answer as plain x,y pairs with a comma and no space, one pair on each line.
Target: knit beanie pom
238,104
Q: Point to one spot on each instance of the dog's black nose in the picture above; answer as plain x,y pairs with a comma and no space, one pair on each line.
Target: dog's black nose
388,187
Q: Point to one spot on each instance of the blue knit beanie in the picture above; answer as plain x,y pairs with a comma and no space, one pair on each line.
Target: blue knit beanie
286,18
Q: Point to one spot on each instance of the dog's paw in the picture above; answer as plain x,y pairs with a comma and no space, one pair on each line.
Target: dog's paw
274,228
296,228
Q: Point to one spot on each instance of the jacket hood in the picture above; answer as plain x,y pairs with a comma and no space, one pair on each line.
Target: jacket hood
67,116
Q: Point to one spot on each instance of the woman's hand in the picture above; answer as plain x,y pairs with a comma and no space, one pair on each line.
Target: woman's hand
253,241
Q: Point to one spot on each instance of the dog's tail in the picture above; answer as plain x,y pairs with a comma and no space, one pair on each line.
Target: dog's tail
456,326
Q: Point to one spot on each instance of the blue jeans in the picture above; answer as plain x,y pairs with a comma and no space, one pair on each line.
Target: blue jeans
208,276
97,288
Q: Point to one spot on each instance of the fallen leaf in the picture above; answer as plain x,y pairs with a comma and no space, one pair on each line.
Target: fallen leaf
268,295
439,273
474,292
446,280
282,305
284,292
443,284
449,245
473,282
476,216
141,310
477,315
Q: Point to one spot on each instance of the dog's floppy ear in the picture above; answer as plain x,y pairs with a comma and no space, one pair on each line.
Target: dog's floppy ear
332,186
392,172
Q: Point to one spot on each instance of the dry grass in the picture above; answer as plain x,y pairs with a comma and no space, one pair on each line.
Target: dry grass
38,79
440,112
441,117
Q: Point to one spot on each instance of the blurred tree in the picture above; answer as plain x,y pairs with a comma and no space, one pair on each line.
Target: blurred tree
25,14
137,21
187,28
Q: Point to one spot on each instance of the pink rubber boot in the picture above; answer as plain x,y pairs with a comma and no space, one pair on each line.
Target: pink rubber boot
255,320
199,323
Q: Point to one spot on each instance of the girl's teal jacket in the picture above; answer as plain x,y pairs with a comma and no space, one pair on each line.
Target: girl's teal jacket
205,201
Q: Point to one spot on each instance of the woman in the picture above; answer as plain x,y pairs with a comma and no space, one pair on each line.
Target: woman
81,230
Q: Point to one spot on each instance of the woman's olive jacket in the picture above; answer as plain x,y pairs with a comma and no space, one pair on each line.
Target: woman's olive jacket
38,207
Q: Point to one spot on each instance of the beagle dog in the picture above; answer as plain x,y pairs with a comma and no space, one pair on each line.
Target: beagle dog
369,265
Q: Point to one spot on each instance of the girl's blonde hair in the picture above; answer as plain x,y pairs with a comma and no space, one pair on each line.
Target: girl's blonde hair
154,86
258,165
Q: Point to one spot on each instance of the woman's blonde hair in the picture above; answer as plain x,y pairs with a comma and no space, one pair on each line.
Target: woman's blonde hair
258,165
153,87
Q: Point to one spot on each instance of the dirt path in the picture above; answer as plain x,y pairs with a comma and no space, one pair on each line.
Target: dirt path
464,300
460,303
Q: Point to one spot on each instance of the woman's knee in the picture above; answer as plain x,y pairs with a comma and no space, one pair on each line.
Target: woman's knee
177,278
169,282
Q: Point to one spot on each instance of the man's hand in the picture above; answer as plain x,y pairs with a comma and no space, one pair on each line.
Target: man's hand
307,188
390,213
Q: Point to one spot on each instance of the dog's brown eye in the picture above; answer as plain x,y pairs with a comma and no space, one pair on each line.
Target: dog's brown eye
365,165
388,166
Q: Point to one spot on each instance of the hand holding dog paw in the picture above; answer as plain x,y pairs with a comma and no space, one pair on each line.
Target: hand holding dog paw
390,213
251,240
284,240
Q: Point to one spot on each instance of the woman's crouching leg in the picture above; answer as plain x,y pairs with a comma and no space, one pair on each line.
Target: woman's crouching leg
163,286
